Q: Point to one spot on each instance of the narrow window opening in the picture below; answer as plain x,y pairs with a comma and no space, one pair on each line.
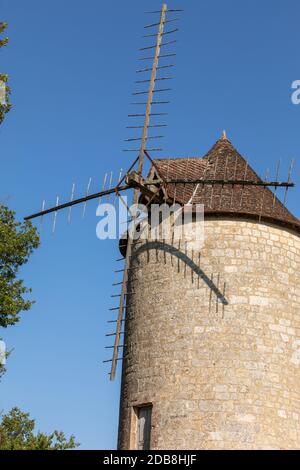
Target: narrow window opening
144,414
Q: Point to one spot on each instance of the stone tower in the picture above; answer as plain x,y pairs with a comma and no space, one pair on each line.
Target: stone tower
212,336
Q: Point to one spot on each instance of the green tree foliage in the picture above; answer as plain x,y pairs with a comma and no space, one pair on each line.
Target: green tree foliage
3,27
5,106
17,242
17,433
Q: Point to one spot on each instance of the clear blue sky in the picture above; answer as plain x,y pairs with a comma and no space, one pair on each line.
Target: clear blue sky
72,69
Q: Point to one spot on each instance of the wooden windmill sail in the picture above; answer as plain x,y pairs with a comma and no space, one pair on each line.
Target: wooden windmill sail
191,181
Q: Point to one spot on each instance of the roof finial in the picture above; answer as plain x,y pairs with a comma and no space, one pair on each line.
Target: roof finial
224,136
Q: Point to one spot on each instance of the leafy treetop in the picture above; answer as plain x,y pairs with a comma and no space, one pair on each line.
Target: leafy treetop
17,433
17,242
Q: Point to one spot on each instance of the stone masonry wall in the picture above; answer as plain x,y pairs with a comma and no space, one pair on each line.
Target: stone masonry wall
213,340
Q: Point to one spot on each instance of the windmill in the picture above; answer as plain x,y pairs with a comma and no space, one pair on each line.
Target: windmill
159,185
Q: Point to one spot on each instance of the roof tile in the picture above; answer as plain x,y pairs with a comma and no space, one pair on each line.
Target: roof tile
223,161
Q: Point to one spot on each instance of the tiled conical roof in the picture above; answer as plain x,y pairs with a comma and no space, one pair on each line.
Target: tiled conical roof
223,161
